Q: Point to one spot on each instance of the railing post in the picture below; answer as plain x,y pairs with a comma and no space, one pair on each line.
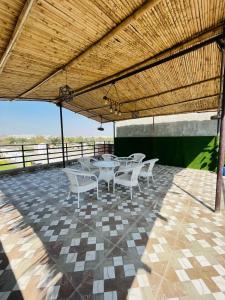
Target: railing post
47,154
24,163
62,134
66,152
114,135
104,146
94,148
82,150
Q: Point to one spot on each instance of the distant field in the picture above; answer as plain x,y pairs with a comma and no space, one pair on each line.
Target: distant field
9,167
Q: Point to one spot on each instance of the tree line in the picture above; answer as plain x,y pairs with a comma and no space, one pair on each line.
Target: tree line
53,140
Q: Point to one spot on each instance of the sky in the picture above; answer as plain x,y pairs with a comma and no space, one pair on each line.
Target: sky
35,118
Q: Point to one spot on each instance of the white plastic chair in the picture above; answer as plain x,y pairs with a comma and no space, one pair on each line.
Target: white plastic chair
138,157
109,156
129,162
129,179
147,169
80,182
132,160
126,165
86,164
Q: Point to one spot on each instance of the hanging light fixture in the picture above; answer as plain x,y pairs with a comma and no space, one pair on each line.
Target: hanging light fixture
114,105
117,111
135,113
111,109
105,98
100,128
66,92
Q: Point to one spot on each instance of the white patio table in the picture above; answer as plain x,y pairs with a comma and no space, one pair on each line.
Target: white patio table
106,169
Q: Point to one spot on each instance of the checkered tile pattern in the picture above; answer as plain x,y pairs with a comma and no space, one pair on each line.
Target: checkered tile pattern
164,244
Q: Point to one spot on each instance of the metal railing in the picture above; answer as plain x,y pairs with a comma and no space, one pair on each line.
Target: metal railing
26,155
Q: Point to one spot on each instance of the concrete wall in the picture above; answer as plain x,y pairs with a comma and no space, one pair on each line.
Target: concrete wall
184,128
178,125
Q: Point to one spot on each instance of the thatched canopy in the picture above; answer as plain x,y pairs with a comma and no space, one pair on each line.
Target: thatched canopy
89,44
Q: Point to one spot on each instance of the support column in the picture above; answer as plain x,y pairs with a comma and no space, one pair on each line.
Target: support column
62,135
219,181
114,135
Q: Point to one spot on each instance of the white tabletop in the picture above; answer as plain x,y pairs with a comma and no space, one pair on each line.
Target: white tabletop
106,164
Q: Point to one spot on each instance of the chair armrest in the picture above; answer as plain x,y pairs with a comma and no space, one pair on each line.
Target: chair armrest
85,174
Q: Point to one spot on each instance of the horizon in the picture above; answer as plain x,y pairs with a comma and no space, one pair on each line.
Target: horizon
46,136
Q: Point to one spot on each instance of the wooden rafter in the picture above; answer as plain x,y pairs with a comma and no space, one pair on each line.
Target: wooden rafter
136,14
68,105
26,99
176,51
16,33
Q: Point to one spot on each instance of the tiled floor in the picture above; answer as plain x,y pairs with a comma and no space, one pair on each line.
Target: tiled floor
165,244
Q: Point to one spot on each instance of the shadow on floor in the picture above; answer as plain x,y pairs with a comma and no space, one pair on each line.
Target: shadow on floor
82,252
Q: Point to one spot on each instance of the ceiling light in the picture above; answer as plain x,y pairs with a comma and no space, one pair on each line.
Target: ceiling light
100,128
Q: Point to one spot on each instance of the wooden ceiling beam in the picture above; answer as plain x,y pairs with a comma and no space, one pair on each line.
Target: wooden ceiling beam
16,33
26,99
161,58
66,105
135,15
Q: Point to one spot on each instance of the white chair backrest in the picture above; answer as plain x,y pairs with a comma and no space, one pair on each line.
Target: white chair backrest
150,163
71,176
135,173
137,157
84,159
109,156
85,163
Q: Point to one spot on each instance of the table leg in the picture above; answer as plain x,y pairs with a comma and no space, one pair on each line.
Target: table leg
106,175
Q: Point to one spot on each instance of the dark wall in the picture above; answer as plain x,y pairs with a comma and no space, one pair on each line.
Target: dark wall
198,152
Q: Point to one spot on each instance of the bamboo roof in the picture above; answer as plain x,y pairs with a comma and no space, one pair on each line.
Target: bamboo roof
162,54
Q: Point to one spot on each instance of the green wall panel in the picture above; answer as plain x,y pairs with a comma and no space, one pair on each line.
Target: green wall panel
198,152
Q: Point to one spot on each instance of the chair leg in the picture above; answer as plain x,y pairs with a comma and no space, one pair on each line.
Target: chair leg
114,187
153,180
78,199
131,193
97,192
139,188
68,197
